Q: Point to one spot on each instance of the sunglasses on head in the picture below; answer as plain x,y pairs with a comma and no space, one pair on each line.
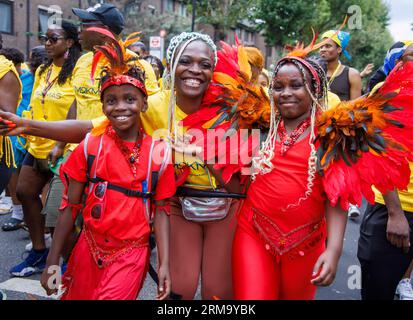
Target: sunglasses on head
53,39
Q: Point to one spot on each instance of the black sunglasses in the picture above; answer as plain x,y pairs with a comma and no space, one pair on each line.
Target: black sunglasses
52,39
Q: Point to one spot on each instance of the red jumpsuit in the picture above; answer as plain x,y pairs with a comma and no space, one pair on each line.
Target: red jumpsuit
275,248
110,259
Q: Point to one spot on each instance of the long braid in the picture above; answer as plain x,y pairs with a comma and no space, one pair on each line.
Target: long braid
263,163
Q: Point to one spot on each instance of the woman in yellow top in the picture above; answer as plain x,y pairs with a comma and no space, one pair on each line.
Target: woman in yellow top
10,93
201,233
51,99
201,229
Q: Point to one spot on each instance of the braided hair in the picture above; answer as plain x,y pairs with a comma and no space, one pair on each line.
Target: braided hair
317,89
74,53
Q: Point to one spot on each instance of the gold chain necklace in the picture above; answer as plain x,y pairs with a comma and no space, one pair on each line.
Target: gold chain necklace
333,76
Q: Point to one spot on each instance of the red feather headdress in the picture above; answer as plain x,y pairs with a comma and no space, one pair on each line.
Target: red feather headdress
116,59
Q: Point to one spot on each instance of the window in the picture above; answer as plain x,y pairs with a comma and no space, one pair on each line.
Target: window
45,13
182,9
238,32
6,16
168,5
132,8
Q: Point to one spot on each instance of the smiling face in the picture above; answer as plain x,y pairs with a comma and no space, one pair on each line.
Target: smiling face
194,70
290,94
330,51
122,106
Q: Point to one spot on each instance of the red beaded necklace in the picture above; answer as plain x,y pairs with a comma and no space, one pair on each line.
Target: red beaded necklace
288,140
132,156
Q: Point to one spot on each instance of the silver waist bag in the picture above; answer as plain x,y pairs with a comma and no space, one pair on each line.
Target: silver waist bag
205,209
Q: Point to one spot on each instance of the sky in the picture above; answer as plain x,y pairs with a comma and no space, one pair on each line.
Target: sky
401,19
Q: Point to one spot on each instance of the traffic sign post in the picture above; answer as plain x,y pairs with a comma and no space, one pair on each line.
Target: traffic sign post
156,47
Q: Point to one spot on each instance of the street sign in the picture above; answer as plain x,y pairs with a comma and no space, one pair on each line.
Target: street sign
155,42
156,47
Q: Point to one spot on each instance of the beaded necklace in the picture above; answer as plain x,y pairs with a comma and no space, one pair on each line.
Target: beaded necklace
288,140
49,85
132,156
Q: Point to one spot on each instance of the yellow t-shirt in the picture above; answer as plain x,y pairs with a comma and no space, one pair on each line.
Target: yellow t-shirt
87,91
406,197
7,66
57,102
156,118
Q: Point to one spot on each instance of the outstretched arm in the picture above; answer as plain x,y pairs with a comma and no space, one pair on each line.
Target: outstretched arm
59,148
71,131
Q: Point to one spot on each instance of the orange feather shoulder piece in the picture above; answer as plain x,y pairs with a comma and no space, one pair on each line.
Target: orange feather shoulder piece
231,103
368,141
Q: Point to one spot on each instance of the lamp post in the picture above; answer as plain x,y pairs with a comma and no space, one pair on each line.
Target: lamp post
193,15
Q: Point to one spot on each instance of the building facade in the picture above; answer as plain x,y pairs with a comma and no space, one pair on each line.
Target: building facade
23,21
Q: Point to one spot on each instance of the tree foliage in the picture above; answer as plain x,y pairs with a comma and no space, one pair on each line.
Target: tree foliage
151,24
223,15
286,22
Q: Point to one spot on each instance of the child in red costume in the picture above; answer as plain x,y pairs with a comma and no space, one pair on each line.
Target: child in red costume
279,250
127,172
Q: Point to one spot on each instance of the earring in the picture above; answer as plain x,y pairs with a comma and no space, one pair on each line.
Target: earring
66,55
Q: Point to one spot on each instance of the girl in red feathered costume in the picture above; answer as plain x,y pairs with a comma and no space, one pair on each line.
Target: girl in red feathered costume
291,227
122,170
280,249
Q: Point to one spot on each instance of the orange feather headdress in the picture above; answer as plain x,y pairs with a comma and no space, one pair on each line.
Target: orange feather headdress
117,62
115,57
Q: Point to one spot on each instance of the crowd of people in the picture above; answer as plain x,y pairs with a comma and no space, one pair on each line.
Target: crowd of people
97,154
